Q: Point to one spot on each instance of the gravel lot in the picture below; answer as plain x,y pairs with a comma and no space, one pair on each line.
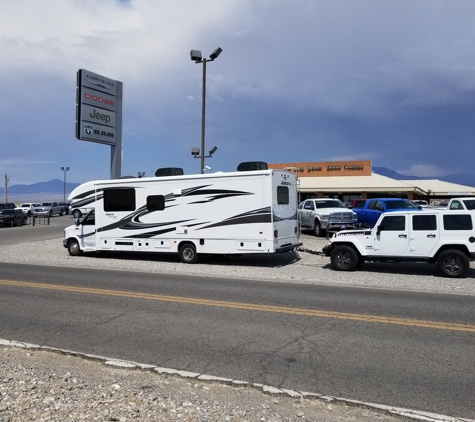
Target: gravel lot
43,385
306,266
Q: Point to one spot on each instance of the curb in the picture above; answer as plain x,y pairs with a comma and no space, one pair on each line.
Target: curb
267,389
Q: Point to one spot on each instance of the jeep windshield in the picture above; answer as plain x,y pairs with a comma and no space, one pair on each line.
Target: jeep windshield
330,204
400,205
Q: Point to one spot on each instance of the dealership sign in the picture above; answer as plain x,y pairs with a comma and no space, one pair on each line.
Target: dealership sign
98,108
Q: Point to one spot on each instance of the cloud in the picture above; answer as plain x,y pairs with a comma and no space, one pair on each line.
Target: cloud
421,170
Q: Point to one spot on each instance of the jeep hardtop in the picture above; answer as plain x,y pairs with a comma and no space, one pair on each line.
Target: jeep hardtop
442,237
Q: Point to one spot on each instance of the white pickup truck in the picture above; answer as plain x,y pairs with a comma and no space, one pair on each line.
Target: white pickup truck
322,214
438,236
462,204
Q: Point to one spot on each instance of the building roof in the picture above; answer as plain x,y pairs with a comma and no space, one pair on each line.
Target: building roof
357,184
379,183
439,187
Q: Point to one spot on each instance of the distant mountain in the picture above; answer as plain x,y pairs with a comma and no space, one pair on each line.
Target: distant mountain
38,192
53,186
467,179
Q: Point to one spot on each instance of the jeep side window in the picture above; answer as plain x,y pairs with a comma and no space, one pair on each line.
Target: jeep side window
394,223
379,206
372,205
455,205
458,222
424,222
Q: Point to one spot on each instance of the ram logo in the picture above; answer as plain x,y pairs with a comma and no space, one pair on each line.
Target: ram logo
87,129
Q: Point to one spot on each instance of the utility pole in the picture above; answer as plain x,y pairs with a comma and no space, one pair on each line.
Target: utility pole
5,194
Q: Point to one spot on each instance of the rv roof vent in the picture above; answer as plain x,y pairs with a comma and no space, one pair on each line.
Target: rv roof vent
252,165
169,171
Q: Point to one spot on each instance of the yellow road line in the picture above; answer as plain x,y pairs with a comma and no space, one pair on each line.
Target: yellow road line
250,307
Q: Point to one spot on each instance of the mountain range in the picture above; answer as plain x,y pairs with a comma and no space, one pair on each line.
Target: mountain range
467,179
55,190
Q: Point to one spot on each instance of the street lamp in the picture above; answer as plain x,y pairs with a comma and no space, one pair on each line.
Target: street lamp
65,169
195,55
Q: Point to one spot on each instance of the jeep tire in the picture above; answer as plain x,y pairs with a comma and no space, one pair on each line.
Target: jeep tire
344,258
453,263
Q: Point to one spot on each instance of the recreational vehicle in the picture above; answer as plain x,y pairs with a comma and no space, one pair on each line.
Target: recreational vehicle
219,213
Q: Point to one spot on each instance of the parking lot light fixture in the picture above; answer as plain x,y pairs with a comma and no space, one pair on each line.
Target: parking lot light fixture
65,169
196,56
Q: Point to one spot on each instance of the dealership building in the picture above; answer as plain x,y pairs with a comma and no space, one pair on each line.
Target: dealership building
348,180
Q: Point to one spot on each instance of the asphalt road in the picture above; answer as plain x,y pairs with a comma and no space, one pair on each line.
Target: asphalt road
41,230
408,349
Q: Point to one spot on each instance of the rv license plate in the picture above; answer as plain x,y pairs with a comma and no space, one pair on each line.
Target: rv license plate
342,226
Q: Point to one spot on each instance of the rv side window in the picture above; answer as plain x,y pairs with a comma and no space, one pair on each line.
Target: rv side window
458,222
155,203
119,199
282,195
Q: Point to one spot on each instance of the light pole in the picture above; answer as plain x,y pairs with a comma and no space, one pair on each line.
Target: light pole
65,169
197,58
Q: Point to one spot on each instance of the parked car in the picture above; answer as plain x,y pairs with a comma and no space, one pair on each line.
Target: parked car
436,236
66,206
27,207
321,214
373,208
7,205
48,209
11,217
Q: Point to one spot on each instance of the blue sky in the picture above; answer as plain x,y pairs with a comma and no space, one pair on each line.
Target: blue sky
298,80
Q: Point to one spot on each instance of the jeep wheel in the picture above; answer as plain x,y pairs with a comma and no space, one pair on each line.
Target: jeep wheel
317,230
62,212
453,263
73,248
188,254
344,258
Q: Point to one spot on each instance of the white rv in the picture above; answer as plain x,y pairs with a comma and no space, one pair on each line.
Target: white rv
219,213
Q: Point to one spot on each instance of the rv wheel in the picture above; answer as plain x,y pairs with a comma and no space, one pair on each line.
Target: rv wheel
73,248
188,253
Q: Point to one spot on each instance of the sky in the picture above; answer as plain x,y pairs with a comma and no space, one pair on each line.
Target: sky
297,81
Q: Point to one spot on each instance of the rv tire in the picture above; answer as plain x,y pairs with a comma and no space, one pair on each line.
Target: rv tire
73,248
188,253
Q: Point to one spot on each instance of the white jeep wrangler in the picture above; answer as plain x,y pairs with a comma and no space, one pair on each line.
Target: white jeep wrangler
438,236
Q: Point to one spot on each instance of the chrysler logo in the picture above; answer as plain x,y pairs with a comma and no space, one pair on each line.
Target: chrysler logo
102,83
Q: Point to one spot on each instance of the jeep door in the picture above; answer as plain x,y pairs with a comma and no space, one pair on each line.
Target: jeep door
391,238
424,234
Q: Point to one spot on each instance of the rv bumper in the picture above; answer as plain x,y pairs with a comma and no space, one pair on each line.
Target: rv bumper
65,243
287,248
